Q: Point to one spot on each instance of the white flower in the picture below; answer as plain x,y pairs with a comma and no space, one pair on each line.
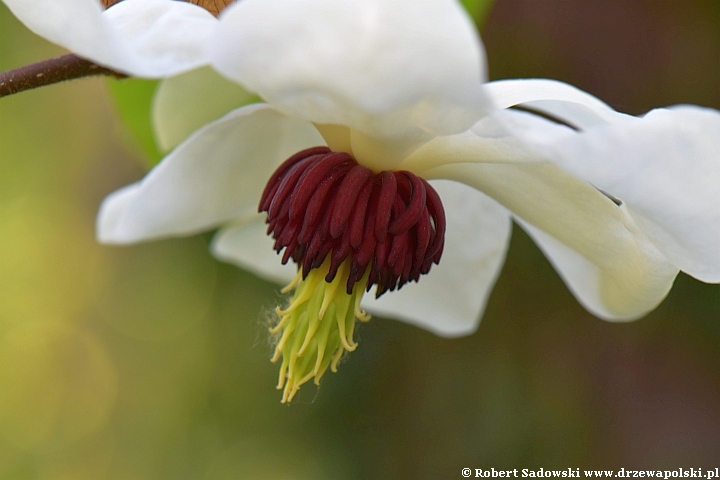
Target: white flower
145,38
618,204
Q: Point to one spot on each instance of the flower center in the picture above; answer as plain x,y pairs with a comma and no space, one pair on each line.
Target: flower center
343,224
322,204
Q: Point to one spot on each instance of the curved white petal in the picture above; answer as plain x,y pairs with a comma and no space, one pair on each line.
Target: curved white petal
555,98
218,174
584,278
186,102
501,137
666,168
387,68
451,298
147,38
247,245
629,275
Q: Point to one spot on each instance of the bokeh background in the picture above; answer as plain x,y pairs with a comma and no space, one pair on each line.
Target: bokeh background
150,362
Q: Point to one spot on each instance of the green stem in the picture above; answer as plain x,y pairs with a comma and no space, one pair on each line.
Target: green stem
48,72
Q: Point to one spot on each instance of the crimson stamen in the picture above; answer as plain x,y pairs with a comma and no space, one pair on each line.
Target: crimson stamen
322,203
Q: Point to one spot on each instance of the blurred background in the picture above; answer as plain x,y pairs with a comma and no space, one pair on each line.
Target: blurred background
150,362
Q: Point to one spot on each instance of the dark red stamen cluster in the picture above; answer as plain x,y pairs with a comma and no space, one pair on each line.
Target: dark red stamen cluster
321,203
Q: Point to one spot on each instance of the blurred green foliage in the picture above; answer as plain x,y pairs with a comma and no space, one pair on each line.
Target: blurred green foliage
133,102
478,9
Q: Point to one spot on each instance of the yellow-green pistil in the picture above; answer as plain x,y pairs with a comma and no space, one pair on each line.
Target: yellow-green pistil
316,328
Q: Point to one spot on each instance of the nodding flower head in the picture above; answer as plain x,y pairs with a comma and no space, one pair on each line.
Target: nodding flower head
396,90
343,224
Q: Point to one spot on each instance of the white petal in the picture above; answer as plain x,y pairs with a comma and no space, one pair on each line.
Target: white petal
451,298
148,38
584,278
113,209
501,137
218,174
248,246
628,276
666,168
558,99
186,102
384,67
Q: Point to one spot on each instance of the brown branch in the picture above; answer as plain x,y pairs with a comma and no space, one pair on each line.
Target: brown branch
47,72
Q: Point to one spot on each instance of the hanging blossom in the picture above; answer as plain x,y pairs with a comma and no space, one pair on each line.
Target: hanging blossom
380,156
368,101
144,38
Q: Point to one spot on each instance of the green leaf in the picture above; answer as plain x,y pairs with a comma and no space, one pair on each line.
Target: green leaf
133,99
478,10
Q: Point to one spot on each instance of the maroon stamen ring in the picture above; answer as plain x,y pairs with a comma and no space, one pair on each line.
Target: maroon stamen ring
321,203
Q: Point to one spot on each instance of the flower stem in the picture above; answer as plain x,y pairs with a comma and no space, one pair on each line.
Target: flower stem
48,72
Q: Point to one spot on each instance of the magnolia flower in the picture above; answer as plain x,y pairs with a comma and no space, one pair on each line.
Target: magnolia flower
146,38
367,101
